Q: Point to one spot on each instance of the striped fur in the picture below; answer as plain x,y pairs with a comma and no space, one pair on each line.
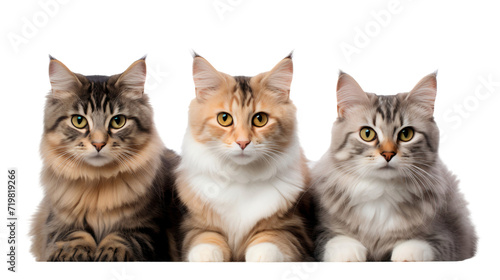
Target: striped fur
109,205
406,209
244,204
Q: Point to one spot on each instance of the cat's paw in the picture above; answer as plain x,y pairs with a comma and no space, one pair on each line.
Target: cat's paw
114,249
264,252
412,251
81,247
344,249
206,253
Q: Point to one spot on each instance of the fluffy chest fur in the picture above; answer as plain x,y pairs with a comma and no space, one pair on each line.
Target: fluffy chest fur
240,196
101,203
241,205
376,205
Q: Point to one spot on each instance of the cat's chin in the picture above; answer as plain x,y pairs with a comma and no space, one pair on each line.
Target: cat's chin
242,159
98,160
386,172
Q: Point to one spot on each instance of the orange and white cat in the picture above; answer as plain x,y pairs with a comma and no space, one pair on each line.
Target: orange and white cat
242,176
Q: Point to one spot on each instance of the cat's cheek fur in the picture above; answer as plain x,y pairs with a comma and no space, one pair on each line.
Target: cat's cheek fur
412,251
264,252
206,253
344,249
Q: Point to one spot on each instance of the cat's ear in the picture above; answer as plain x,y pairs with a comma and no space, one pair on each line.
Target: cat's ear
206,78
62,80
424,93
279,79
133,79
349,94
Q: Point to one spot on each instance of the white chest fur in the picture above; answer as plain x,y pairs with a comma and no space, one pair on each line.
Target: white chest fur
242,195
242,205
376,204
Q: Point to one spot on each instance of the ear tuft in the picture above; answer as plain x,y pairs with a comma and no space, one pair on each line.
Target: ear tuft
279,79
206,78
349,94
62,80
194,54
424,93
134,78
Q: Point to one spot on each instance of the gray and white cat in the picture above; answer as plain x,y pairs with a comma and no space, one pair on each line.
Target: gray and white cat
382,191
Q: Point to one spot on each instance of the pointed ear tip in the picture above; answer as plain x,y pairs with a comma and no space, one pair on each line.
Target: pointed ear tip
142,62
55,63
143,57
194,54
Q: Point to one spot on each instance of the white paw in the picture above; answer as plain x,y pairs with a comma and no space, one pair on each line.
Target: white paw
412,251
344,249
264,252
206,253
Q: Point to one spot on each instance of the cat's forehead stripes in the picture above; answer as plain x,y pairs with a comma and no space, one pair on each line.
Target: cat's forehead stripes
243,91
387,110
97,96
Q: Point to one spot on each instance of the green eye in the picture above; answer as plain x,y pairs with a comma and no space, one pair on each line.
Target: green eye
224,119
367,134
118,121
79,121
260,119
406,134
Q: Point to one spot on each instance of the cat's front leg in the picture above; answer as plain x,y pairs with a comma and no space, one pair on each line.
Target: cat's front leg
206,246
343,248
412,250
72,246
274,246
125,246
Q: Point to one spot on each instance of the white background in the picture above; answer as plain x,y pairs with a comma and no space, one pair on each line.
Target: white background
394,44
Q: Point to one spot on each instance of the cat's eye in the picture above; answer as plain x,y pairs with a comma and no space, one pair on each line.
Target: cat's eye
224,119
118,121
367,134
260,119
406,134
79,121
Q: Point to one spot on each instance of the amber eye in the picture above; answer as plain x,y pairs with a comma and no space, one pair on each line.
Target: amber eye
118,121
367,134
79,121
406,134
224,119
260,119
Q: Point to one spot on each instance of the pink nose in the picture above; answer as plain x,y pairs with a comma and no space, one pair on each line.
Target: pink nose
388,155
243,143
98,145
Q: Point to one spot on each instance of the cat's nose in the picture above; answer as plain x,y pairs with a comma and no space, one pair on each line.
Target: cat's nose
98,145
243,143
388,155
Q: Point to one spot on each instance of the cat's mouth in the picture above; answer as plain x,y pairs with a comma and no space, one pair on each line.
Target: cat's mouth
242,158
388,168
98,160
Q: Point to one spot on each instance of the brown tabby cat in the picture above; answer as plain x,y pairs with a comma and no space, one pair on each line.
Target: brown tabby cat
243,173
106,172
